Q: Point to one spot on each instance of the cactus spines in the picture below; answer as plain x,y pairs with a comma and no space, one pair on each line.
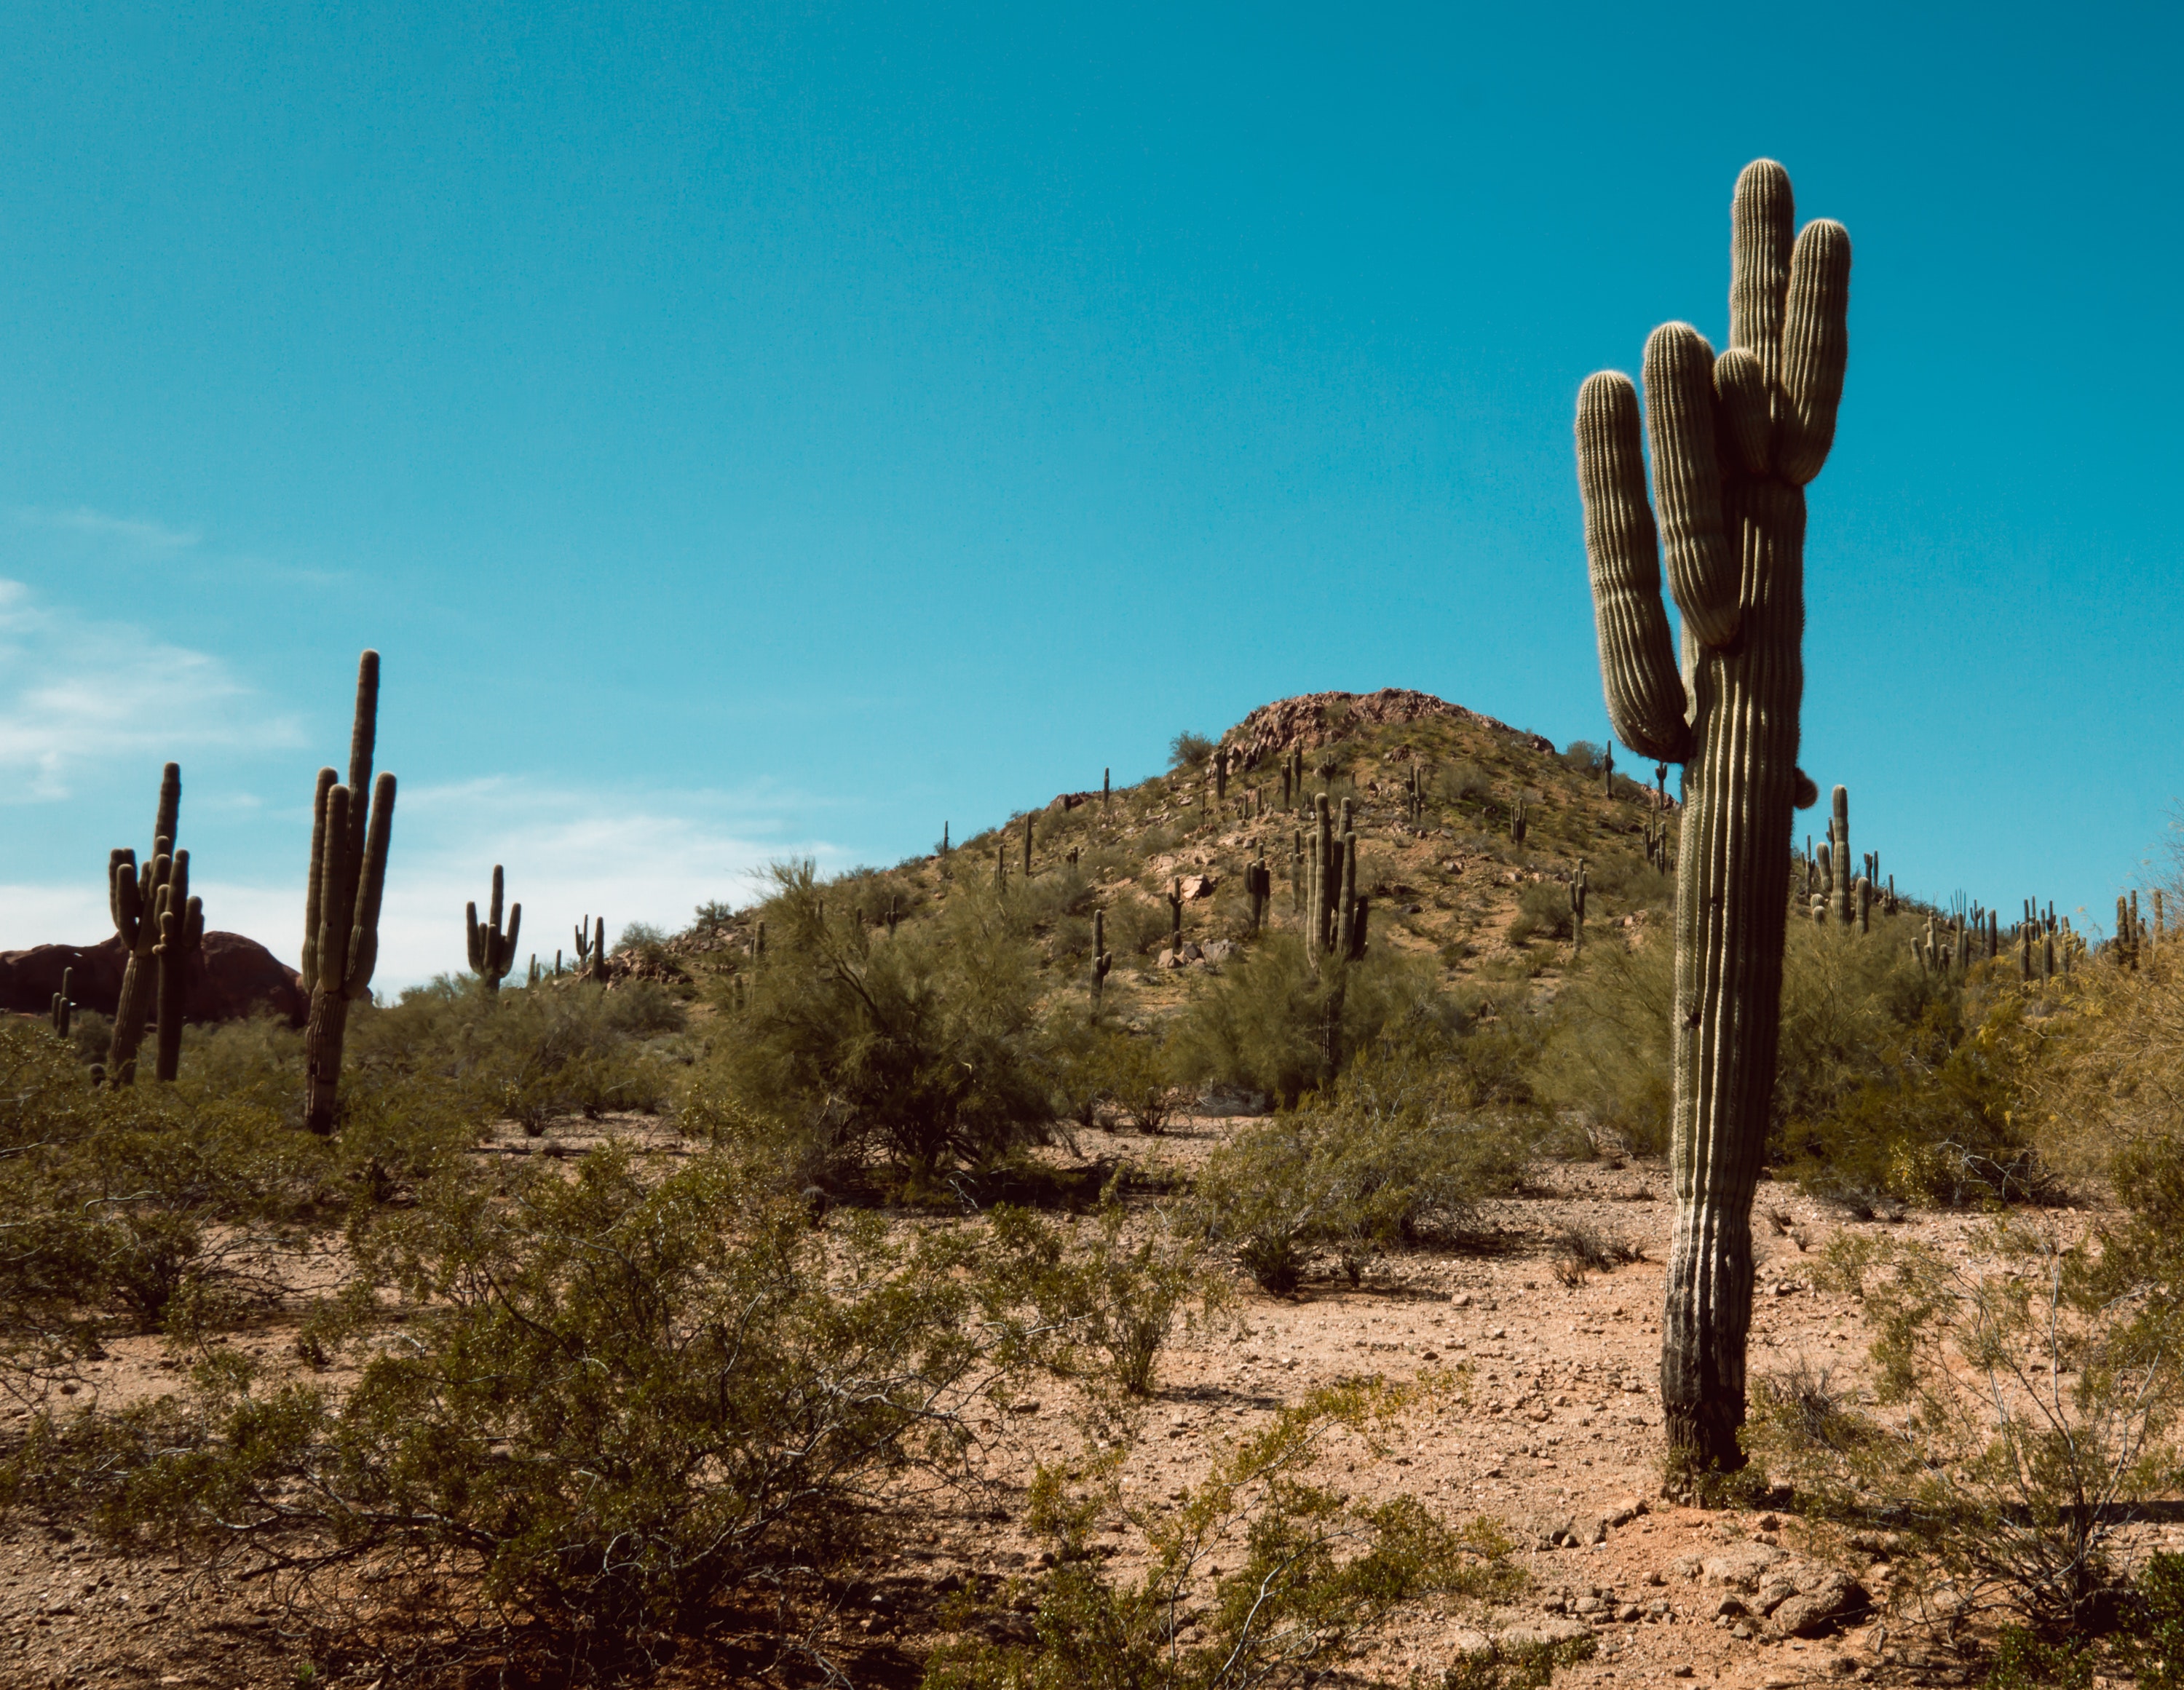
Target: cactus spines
1734,441
63,1005
349,835
132,896
1102,961
182,936
491,952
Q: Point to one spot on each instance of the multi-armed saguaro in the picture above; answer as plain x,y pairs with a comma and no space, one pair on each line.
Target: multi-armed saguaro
1734,439
341,902
132,894
491,952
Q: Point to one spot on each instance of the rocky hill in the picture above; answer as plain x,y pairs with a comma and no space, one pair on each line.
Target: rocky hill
1470,833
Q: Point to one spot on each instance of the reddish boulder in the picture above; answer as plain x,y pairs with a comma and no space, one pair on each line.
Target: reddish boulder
231,977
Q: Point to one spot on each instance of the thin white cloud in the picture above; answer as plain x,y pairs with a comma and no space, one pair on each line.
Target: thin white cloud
150,536
74,692
651,858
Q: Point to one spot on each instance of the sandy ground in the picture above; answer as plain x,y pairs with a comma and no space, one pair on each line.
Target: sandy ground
1556,1418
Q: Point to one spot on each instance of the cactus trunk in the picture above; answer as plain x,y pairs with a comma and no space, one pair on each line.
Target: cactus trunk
132,893
1734,441
349,838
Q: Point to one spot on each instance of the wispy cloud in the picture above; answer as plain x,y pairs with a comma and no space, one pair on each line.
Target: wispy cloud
650,857
75,691
148,536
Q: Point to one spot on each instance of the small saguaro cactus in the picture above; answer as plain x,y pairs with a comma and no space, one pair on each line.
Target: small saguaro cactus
63,1005
1520,820
182,937
1027,849
491,952
1102,961
349,835
1734,440
133,899
1175,917
1577,891
1607,771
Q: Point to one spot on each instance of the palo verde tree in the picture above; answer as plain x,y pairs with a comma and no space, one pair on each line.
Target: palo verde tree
1734,441
341,900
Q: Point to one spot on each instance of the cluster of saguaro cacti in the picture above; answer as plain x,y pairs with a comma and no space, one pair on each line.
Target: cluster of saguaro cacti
1734,441
491,952
2134,941
1335,917
349,835
63,1005
132,893
2041,941
591,950
180,919
1103,962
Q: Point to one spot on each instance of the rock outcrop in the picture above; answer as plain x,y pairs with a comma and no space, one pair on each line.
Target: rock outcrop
1312,719
230,978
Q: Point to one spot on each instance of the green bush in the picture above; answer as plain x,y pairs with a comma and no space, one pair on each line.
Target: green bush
1188,750
1312,1572
1396,1155
2033,1414
1543,912
622,1396
924,1047
1270,1022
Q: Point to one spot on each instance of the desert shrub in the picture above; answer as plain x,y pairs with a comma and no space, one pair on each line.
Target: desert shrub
1138,1076
1578,1250
1106,1292
621,1396
134,1207
1392,1157
924,1047
1543,912
1188,750
2028,1418
1271,1022
1312,1572
1522,1666
1607,1053
1461,781
1136,926
1584,757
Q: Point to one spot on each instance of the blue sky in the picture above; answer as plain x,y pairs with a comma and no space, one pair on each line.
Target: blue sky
749,430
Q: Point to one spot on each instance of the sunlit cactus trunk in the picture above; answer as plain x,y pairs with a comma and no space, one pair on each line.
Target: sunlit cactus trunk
1734,440
349,836
132,893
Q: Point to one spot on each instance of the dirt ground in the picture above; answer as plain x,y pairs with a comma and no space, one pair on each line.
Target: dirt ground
1553,1426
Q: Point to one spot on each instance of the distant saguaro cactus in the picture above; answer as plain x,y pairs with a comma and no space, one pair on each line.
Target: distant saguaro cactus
182,937
1578,886
590,957
133,895
349,835
1839,856
491,952
1520,820
1734,439
1220,774
64,1005
1258,887
1175,918
1102,961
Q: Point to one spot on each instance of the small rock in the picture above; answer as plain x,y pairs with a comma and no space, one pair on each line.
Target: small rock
1197,887
1552,1633
1627,1613
1682,1669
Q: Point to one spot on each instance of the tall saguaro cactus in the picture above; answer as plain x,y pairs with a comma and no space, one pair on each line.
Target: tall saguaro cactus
180,919
341,904
1839,856
1733,439
132,893
491,952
